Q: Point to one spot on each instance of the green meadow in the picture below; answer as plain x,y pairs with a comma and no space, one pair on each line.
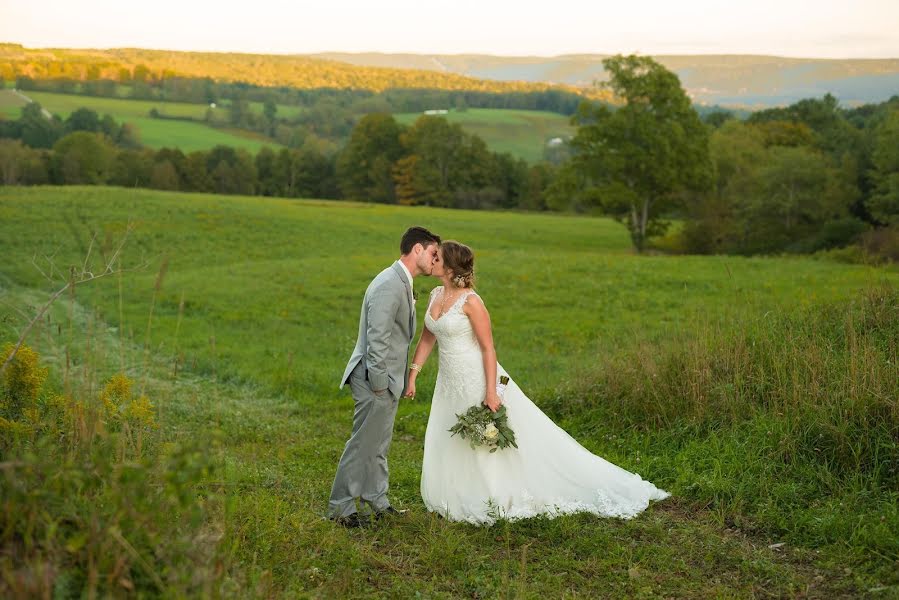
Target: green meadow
522,133
154,133
710,376
64,104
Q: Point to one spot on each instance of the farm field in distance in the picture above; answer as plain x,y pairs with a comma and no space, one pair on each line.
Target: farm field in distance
522,133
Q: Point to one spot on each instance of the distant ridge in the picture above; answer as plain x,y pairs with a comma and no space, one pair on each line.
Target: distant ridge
745,81
270,70
734,80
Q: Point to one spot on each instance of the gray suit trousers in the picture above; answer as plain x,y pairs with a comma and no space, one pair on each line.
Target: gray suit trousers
362,471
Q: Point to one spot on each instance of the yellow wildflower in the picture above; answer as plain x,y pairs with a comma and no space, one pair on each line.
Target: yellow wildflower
23,377
141,411
116,394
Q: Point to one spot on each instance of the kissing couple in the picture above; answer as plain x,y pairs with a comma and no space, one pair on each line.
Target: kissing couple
549,473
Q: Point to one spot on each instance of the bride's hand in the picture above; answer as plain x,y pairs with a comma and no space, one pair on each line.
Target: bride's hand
493,402
410,389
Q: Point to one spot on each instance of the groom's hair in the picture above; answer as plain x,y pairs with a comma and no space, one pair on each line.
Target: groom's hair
417,235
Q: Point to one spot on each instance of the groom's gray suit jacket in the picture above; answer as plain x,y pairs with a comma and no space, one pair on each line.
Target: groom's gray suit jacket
386,329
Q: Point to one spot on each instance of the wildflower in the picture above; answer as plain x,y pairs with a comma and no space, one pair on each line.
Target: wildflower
116,393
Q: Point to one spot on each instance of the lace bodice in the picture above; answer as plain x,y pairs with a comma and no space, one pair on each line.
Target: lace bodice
453,329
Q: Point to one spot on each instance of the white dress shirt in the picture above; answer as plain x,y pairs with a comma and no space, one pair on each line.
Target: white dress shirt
409,277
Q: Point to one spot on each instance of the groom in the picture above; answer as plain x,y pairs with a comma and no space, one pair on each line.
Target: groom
377,377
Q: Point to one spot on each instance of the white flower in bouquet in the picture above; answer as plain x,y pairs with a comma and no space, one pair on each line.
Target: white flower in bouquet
483,427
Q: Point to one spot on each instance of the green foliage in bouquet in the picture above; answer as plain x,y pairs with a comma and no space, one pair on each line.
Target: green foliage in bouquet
482,427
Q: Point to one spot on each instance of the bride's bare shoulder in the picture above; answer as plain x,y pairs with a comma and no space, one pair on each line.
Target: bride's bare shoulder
473,302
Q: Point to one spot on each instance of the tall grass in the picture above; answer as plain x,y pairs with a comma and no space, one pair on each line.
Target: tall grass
95,499
786,424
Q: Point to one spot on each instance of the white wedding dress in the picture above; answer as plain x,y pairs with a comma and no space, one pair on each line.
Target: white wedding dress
548,474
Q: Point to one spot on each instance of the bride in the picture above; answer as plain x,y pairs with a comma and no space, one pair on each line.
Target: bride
549,473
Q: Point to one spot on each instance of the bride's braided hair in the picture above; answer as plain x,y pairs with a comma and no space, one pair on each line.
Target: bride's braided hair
459,259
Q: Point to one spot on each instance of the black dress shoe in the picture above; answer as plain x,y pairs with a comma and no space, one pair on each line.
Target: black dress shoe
390,512
353,520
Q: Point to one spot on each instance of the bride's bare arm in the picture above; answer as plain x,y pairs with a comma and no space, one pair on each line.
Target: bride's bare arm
480,322
420,357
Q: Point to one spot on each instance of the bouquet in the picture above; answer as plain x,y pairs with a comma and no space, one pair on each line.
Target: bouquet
483,427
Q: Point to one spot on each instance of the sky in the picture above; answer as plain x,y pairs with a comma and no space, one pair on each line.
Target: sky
796,28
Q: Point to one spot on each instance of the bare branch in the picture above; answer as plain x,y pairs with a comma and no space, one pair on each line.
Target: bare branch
90,249
75,279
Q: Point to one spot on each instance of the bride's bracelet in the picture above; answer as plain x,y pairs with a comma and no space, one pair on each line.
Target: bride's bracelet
415,367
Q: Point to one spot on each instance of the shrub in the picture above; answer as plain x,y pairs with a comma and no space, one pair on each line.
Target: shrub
85,512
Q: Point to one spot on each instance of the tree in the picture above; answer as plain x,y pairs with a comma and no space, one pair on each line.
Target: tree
37,130
539,178
141,73
270,109
84,119
450,167
239,113
164,176
800,203
132,168
510,177
271,179
196,175
312,174
826,123
642,157
717,118
364,166
12,153
884,202
408,190
231,171
82,158
737,153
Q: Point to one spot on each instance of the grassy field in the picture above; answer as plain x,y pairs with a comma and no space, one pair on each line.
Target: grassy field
522,133
255,313
154,133
64,104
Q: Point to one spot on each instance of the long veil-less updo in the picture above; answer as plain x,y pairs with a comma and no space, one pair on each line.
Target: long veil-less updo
459,259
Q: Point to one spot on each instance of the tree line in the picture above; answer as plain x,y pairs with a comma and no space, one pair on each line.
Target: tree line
205,90
327,115
431,162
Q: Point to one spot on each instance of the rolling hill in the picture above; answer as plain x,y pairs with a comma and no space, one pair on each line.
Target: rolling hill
271,70
730,80
746,81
